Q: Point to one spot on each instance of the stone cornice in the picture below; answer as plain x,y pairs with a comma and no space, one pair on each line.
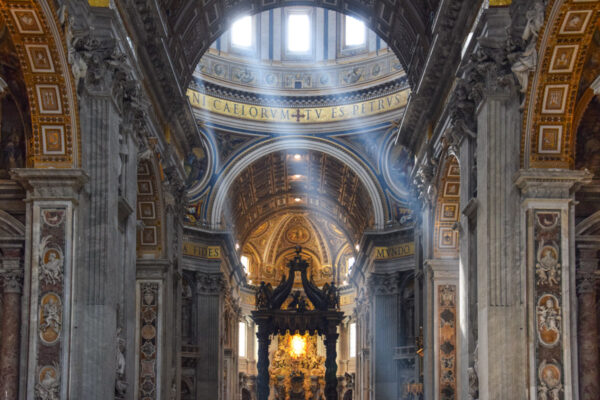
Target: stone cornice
550,183
50,184
211,89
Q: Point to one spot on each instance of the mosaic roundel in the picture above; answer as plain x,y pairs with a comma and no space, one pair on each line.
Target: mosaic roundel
297,234
396,165
198,165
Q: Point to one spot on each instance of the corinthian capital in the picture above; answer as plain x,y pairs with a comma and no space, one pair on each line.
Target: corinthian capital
12,280
99,61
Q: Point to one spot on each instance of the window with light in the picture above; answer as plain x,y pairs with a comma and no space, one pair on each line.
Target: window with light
298,32
245,263
352,339
242,32
351,261
242,338
356,32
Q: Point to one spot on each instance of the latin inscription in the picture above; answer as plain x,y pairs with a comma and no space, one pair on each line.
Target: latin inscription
399,251
200,251
297,115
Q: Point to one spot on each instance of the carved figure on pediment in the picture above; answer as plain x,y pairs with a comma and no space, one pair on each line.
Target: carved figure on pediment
298,302
331,295
263,296
97,57
527,60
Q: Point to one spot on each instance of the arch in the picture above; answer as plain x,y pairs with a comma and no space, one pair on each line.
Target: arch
10,227
236,166
589,226
34,29
549,128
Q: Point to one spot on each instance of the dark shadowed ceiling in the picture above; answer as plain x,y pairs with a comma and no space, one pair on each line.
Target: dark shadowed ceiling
403,24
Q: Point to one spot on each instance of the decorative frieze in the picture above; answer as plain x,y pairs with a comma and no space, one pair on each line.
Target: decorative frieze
148,340
447,340
548,300
50,308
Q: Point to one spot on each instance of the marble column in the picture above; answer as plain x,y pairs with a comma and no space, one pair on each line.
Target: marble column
548,221
9,349
587,324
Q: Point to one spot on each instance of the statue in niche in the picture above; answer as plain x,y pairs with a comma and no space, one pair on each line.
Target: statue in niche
333,296
12,140
120,382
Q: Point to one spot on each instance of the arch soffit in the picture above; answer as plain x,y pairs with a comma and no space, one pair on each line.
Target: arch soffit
549,126
150,210
219,194
447,211
34,29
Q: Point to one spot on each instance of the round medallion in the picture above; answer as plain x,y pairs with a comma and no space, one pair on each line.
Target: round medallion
297,234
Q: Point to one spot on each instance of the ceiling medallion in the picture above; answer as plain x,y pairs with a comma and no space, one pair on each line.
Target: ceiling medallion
297,234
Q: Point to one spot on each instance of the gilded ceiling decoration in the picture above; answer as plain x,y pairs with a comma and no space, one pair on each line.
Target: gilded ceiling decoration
271,245
149,212
549,131
33,28
447,212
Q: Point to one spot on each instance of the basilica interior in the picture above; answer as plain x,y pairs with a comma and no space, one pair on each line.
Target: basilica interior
299,199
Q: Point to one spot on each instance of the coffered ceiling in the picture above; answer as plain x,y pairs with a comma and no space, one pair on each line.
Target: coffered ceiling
296,180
